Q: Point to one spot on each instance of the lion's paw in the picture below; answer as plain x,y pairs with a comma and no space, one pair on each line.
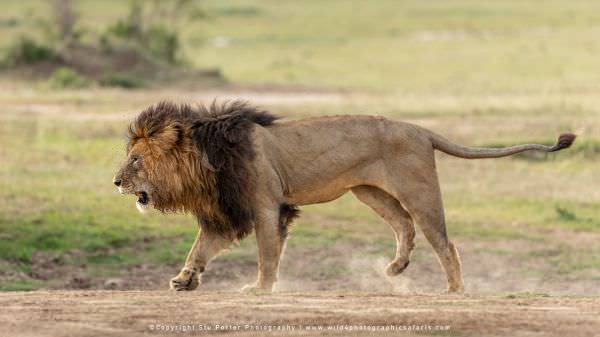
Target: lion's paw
187,279
254,288
395,268
454,291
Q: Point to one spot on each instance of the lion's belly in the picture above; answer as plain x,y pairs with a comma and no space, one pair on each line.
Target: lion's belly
319,188
315,196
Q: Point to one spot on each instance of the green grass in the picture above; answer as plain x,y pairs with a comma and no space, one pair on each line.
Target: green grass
513,214
64,202
480,73
21,285
412,45
441,46
526,295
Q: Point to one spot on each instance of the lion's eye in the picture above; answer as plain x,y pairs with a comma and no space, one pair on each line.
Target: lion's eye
135,160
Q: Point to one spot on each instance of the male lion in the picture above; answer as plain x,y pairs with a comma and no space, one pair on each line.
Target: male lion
237,170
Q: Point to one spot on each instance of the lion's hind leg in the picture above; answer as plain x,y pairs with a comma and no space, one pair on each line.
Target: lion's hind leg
424,202
396,216
434,230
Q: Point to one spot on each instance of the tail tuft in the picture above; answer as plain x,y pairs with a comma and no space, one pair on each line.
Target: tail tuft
565,140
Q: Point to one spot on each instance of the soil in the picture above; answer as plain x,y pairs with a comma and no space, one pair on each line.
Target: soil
314,292
346,265
147,313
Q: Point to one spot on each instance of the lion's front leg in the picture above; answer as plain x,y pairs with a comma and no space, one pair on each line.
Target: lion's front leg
206,246
270,246
187,279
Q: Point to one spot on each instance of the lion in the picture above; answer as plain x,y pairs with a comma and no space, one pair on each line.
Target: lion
239,169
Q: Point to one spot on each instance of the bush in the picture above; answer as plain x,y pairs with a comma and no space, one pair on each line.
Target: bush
120,80
155,35
9,22
163,44
121,29
27,51
564,214
159,42
65,77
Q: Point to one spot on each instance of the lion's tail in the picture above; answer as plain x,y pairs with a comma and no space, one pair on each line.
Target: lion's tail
440,143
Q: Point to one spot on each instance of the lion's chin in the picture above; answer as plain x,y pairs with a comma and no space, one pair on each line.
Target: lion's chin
143,208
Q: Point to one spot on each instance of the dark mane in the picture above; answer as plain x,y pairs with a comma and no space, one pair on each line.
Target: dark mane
237,108
154,118
223,134
220,137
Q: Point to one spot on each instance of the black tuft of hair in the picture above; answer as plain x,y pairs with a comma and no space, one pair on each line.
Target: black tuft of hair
287,214
237,108
565,140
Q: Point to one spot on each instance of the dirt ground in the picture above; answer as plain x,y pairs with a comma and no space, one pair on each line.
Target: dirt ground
134,313
343,266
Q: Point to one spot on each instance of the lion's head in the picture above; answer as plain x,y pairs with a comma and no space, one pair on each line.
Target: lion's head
196,159
161,167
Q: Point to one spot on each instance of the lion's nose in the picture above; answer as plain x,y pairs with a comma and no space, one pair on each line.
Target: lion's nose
117,182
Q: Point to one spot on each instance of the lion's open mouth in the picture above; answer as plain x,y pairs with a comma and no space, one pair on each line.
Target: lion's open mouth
142,198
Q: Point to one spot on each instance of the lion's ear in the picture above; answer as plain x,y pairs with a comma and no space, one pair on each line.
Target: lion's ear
169,136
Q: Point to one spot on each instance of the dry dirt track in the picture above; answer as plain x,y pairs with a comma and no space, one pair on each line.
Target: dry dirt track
130,313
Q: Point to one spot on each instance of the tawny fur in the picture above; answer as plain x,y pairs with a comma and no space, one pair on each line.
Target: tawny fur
237,170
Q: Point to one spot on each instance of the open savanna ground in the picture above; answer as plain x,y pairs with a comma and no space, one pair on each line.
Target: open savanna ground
523,224
479,73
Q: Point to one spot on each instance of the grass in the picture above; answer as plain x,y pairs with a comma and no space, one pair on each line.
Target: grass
481,73
449,46
20,285
525,295
64,201
444,46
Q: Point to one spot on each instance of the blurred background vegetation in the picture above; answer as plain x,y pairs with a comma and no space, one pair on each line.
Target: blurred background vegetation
448,46
74,73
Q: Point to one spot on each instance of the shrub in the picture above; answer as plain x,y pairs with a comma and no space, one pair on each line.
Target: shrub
564,214
163,44
120,80
151,27
121,29
9,22
27,51
65,77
